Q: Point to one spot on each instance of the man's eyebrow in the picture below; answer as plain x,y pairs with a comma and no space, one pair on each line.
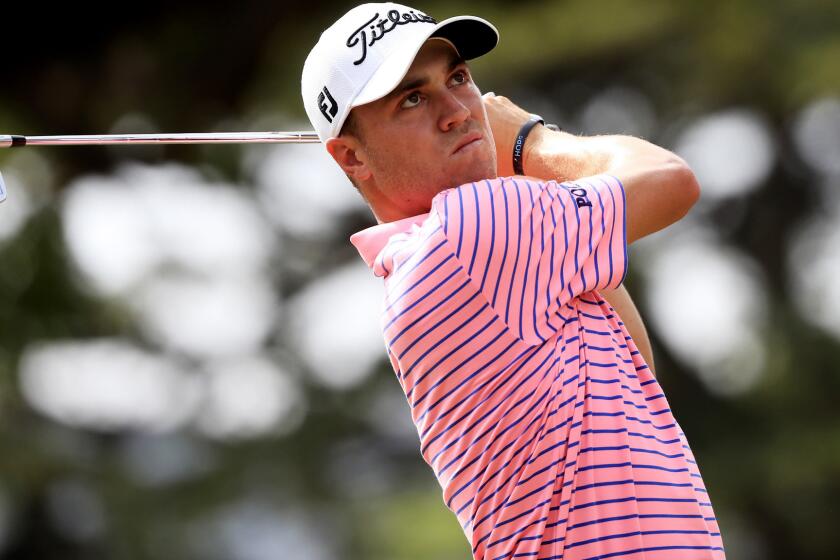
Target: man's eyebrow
454,62
405,86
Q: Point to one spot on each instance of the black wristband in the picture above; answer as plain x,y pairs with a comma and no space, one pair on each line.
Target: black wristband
519,144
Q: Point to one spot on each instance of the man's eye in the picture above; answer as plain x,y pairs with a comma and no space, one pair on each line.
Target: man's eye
460,77
411,101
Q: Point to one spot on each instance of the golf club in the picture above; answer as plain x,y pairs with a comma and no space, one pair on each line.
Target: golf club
16,141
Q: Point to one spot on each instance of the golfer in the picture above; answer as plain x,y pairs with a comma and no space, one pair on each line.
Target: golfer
503,247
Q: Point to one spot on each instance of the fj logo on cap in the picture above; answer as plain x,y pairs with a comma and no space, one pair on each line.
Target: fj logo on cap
381,28
329,111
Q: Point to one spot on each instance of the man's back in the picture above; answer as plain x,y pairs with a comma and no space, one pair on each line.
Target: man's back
547,431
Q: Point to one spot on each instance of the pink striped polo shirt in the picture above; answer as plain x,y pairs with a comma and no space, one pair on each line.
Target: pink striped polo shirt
548,433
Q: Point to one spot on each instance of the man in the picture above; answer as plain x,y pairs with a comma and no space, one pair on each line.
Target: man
523,360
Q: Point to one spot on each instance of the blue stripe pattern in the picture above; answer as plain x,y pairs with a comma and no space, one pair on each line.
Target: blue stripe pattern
534,408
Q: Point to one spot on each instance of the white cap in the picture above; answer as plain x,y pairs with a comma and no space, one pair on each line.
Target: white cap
366,53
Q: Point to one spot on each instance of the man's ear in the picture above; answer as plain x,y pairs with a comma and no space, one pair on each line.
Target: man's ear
347,152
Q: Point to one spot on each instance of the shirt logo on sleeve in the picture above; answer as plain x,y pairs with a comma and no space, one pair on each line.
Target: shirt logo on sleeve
581,197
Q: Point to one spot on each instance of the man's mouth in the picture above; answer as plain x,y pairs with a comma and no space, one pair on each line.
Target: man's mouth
468,141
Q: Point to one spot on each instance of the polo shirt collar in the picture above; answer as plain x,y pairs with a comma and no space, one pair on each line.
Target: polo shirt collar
370,242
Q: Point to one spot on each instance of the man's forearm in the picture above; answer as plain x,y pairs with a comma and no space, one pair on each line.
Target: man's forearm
660,188
562,156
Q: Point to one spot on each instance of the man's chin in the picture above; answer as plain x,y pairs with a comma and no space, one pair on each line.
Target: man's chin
478,172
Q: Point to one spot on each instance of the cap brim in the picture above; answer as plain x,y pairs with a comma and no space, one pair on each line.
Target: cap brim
470,35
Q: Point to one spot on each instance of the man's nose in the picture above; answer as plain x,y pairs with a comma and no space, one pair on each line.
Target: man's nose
453,112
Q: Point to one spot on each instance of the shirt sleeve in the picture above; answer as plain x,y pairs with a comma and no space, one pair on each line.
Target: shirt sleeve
532,246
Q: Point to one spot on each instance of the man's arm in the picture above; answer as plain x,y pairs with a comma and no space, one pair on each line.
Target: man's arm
659,186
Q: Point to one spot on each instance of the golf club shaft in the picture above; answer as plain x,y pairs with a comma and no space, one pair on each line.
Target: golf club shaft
15,141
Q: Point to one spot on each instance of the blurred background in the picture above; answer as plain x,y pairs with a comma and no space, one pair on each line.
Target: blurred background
191,365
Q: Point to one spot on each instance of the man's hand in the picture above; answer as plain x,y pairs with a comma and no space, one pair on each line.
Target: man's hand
544,154
505,120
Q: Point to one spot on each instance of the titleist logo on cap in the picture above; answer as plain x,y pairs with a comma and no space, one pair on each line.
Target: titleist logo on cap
382,28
